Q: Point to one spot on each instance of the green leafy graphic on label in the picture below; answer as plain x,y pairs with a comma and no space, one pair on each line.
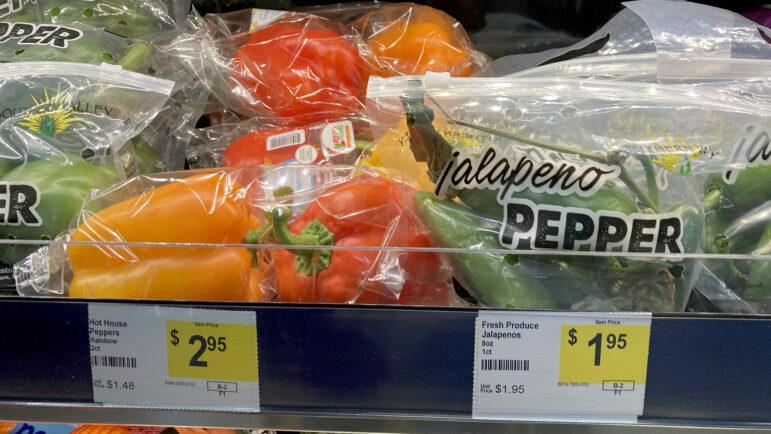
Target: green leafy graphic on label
50,115
676,156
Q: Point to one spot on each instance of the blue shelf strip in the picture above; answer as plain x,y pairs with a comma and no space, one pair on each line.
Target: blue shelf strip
386,361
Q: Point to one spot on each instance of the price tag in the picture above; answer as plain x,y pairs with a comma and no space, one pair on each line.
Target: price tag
212,351
600,354
560,365
180,358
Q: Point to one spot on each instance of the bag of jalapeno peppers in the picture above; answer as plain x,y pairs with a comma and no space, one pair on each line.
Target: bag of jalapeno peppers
65,128
582,194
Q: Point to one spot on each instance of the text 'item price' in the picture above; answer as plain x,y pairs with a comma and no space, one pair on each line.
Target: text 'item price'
212,351
597,354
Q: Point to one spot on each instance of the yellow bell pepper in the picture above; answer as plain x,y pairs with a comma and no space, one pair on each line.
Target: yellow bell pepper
208,208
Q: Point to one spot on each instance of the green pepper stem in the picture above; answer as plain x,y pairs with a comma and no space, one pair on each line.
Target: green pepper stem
626,178
650,179
712,200
138,53
309,261
253,236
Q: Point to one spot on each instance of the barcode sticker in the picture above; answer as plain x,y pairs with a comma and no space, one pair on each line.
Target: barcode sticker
505,365
291,138
114,361
560,365
263,17
174,357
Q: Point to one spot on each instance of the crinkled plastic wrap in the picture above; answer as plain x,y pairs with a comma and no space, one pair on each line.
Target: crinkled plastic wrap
30,41
260,141
300,67
413,39
293,233
559,167
657,40
172,129
737,208
63,130
129,18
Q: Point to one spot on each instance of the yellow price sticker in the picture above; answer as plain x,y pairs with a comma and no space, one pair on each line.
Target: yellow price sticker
212,351
612,355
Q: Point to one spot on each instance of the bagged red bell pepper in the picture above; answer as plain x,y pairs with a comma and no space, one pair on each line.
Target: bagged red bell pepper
259,141
366,211
299,67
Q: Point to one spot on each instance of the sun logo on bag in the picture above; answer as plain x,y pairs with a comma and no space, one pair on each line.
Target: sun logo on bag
677,155
50,115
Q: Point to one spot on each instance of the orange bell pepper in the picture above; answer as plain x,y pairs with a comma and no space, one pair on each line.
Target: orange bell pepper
208,208
413,39
365,211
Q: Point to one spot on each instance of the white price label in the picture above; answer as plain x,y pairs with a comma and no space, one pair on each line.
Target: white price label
560,365
174,357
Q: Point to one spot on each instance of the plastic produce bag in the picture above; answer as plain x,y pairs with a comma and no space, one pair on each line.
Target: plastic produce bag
63,127
128,18
578,165
414,39
300,67
348,214
21,41
260,141
737,205
657,40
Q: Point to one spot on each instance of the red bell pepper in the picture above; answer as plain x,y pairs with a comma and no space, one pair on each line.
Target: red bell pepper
300,69
365,211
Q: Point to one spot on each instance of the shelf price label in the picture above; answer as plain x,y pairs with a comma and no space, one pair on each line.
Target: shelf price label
212,351
174,357
560,365
604,354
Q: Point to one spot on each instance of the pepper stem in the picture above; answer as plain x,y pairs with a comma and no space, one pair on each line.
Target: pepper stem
138,53
309,261
712,200
650,179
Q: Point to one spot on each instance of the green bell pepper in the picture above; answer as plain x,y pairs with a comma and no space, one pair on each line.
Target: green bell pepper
62,183
122,17
493,278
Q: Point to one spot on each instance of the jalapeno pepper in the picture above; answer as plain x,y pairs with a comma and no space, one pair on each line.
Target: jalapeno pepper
494,279
601,281
209,208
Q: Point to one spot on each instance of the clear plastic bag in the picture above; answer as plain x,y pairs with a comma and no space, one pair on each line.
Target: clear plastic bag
300,67
23,41
260,141
552,171
129,18
657,40
343,235
63,129
413,39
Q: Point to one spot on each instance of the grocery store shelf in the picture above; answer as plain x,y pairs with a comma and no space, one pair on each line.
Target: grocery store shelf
382,369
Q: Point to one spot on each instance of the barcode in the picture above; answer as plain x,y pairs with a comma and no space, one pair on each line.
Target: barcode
114,361
286,139
505,365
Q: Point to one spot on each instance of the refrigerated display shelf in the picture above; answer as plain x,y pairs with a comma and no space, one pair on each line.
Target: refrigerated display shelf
379,368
